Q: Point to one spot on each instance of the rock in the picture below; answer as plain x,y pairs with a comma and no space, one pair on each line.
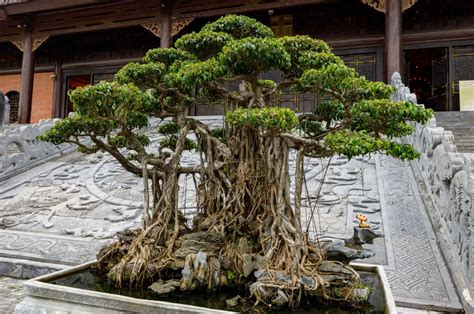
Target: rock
361,294
334,278
247,264
309,282
252,262
260,289
201,268
233,302
281,299
334,267
192,243
243,247
365,235
166,287
260,274
280,276
187,273
177,264
337,250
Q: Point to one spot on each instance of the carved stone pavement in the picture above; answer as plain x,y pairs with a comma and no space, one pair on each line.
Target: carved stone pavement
61,212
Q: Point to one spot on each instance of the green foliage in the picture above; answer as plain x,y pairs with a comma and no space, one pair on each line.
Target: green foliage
330,110
147,75
239,27
231,276
204,44
358,118
168,128
202,72
311,128
351,144
172,140
299,46
269,118
268,84
383,116
254,55
218,133
167,56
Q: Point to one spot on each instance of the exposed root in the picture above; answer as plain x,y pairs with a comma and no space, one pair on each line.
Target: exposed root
247,231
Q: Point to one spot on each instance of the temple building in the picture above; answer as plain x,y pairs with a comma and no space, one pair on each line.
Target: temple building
49,47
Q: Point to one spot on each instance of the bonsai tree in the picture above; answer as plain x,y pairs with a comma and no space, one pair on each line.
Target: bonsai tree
248,229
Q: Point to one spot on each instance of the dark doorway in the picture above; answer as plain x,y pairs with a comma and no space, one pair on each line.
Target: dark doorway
14,99
426,73
73,82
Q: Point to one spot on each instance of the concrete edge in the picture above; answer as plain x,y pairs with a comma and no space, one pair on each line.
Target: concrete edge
26,269
389,302
39,288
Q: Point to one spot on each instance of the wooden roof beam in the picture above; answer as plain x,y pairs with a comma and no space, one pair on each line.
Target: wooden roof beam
203,10
50,5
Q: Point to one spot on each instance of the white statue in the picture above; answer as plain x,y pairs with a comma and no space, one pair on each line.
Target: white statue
402,92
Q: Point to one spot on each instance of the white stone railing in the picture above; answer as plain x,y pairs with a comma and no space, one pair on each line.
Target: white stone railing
448,179
20,149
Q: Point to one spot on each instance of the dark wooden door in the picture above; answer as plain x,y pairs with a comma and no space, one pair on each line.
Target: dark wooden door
463,69
440,77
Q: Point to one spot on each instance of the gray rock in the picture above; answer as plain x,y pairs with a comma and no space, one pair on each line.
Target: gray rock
252,262
243,247
361,294
261,290
233,302
337,250
334,267
280,276
365,235
309,282
208,241
165,287
281,299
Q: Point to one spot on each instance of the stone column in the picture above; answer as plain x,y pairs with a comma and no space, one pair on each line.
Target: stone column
393,38
27,77
165,38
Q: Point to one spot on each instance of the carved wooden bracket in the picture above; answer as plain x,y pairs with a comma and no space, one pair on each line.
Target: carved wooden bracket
380,5
37,42
176,26
155,28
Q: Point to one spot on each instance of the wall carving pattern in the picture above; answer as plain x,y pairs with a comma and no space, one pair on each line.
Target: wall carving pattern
20,148
449,177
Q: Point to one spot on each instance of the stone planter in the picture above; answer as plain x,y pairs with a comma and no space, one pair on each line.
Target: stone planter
45,297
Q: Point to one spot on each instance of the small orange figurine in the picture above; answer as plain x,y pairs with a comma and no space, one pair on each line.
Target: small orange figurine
362,221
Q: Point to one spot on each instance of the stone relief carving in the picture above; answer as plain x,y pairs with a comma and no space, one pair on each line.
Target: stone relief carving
19,147
449,177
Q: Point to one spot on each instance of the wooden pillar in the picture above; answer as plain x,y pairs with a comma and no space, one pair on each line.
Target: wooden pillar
57,111
393,38
165,38
27,77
